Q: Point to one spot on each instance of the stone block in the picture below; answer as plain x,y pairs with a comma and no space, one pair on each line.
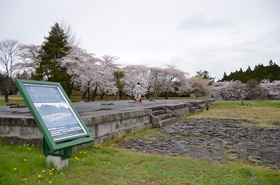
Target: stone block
57,162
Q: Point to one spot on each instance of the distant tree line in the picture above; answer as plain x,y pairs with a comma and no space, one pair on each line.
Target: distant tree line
60,59
259,73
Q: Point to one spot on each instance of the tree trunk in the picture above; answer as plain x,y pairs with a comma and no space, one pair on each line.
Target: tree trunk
102,95
94,93
88,93
120,94
85,95
166,95
155,92
7,89
6,95
72,87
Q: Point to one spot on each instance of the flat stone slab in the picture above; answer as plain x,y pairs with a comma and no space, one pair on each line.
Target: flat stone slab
100,107
213,140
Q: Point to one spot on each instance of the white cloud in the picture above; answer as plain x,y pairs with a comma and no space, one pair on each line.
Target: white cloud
201,21
216,35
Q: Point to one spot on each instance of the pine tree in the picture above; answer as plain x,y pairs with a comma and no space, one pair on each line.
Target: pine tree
260,72
205,75
119,83
54,48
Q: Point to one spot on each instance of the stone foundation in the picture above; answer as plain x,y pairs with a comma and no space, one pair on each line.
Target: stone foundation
22,129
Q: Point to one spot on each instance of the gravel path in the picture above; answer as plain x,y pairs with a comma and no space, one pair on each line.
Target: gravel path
214,140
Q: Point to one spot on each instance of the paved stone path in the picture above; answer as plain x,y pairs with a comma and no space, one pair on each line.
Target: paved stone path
214,140
100,107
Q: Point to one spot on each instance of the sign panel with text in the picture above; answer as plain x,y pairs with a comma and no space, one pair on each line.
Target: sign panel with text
54,113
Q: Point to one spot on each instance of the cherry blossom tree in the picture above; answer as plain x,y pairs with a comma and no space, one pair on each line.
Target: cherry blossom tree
157,80
273,88
230,90
199,87
133,75
255,90
175,80
166,80
105,83
82,67
89,73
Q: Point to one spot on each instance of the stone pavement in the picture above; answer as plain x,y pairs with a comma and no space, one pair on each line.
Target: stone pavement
213,140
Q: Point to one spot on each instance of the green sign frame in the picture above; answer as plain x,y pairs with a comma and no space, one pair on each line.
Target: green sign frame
52,142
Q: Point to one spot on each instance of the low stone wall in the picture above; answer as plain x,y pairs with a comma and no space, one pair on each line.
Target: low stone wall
108,127
22,129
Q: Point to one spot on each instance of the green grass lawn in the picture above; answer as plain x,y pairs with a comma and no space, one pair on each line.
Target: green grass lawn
271,103
98,165
109,165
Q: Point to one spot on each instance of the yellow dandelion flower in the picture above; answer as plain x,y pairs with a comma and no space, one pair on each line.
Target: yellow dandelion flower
29,148
80,152
230,171
11,143
27,144
43,171
19,147
24,145
81,173
50,182
101,147
33,145
57,168
52,169
24,179
84,152
24,160
76,158
41,156
83,159
15,168
50,173
39,176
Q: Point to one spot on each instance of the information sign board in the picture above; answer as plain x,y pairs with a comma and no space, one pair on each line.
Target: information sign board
54,113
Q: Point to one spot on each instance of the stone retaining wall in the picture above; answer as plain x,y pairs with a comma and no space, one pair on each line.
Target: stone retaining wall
22,129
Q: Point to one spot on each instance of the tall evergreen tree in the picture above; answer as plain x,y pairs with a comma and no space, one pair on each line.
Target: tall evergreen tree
205,75
260,72
54,48
119,83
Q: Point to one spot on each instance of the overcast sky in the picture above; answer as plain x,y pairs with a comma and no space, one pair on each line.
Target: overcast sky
214,35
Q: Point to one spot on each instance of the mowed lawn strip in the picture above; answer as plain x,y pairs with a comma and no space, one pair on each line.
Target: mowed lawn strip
263,115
